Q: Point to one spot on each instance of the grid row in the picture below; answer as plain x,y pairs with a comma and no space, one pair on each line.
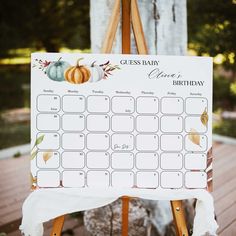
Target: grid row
121,161
121,104
123,142
119,123
124,179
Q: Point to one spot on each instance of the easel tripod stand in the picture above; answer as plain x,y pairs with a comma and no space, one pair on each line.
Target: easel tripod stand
130,16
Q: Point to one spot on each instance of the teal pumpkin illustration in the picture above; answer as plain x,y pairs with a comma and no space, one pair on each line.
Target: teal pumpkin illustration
55,70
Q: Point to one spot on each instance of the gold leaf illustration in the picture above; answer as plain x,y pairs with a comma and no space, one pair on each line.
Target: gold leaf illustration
33,179
204,117
47,156
194,137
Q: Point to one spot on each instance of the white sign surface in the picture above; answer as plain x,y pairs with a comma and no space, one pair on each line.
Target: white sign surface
132,121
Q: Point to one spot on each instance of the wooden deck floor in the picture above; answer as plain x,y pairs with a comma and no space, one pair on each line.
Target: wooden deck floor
14,187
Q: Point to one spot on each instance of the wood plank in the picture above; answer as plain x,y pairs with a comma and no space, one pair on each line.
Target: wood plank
16,215
219,148
227,201
13,227
224,178
17,170
16,206
226,218
230,230
70,223
11,200
14,168
24,181
15,179
221,158
15,192
14,233
10,160
219,193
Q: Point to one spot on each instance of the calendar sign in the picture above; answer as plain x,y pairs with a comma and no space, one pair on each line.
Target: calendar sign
111,121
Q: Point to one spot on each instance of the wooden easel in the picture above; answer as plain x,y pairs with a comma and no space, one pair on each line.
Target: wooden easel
130,15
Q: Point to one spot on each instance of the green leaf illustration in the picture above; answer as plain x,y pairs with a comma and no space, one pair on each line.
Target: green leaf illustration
33,154
39,140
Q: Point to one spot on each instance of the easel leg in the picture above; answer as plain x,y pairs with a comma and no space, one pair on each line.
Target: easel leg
126,49
179,218
125,215
57,226
112,28
138,28
126,26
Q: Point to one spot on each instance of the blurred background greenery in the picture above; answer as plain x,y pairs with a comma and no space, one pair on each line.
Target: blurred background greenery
42,25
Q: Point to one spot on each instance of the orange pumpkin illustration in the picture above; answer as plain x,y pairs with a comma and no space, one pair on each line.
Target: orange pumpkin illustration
77,74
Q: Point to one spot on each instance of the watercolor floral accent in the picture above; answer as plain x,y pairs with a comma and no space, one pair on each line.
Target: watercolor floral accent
108,68
62,71
41,65
34,150
33,154
33,180
209,170
204,117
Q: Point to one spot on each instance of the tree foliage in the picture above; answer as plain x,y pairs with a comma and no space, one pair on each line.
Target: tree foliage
48,24
212,28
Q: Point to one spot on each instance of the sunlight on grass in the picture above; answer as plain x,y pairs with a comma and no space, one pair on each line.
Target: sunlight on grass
191,52
233,88
67,50
22,55
231,57
15,61
219,59
20,52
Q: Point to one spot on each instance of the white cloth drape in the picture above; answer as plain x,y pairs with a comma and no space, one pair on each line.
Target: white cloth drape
45,204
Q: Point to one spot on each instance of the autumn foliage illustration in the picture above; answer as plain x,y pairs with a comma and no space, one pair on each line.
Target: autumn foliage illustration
80,73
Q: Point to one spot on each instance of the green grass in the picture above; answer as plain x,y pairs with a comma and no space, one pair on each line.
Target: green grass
14,134
12,95
225,128
12,92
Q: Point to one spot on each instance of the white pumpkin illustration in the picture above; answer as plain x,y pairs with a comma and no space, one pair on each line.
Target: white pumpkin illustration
97,73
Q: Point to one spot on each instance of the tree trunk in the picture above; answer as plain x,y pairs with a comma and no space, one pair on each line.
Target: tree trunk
165,27
164,22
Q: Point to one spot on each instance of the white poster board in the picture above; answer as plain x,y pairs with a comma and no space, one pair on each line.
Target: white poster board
130,121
